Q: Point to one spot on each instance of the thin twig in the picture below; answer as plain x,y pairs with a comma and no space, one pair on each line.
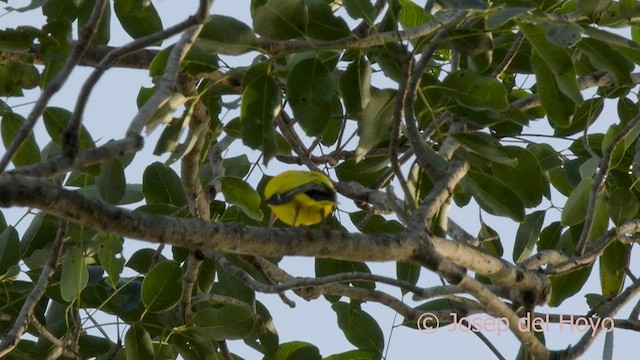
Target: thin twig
12,337
54,86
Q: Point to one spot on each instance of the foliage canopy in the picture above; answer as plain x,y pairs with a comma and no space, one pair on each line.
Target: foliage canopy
526,109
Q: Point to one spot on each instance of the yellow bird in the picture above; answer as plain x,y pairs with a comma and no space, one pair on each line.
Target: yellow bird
300,197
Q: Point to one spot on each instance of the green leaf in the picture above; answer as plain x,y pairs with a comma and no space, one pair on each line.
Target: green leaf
589,7
297,350
522,177
142,260
310,89
360,328
354,354
160,288
374,124
226,35
237,192
364,172
74,276
160,184
60,9
565,286
550,236
556,104
585,115
260,105
41,231
475,91
9,250
110,256
528,235
606,58
407,272
322,24
613,262
29,152
563,34
360,9
138,17
501,16
111,182
493,196
485,146
56,120
137,343
103,30
355,86
619,148
223,323
281,19
412,15
575,209
555,57
622,205
237,166
328,267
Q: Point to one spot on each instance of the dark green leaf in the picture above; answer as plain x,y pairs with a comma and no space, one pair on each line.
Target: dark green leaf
585,115
575,209
613,262
237,166
364,172
411,14
60,9
110,256
310,89
29,152
374,124
159,287
485,146
589,7
9,250
622,205
475,91
323,25
522,177
297,350
260,105
103,30
360,9
558,107
56,120
111,182
224,323
493,196
407,272
606,58
360,328
138,17
528,235
281,19
226,35
354,354
142,260
556,58
74,276
237,192
137,344
565,286
160,184
355,86
563,34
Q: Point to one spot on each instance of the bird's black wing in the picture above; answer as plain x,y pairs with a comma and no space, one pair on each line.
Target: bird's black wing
316,191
